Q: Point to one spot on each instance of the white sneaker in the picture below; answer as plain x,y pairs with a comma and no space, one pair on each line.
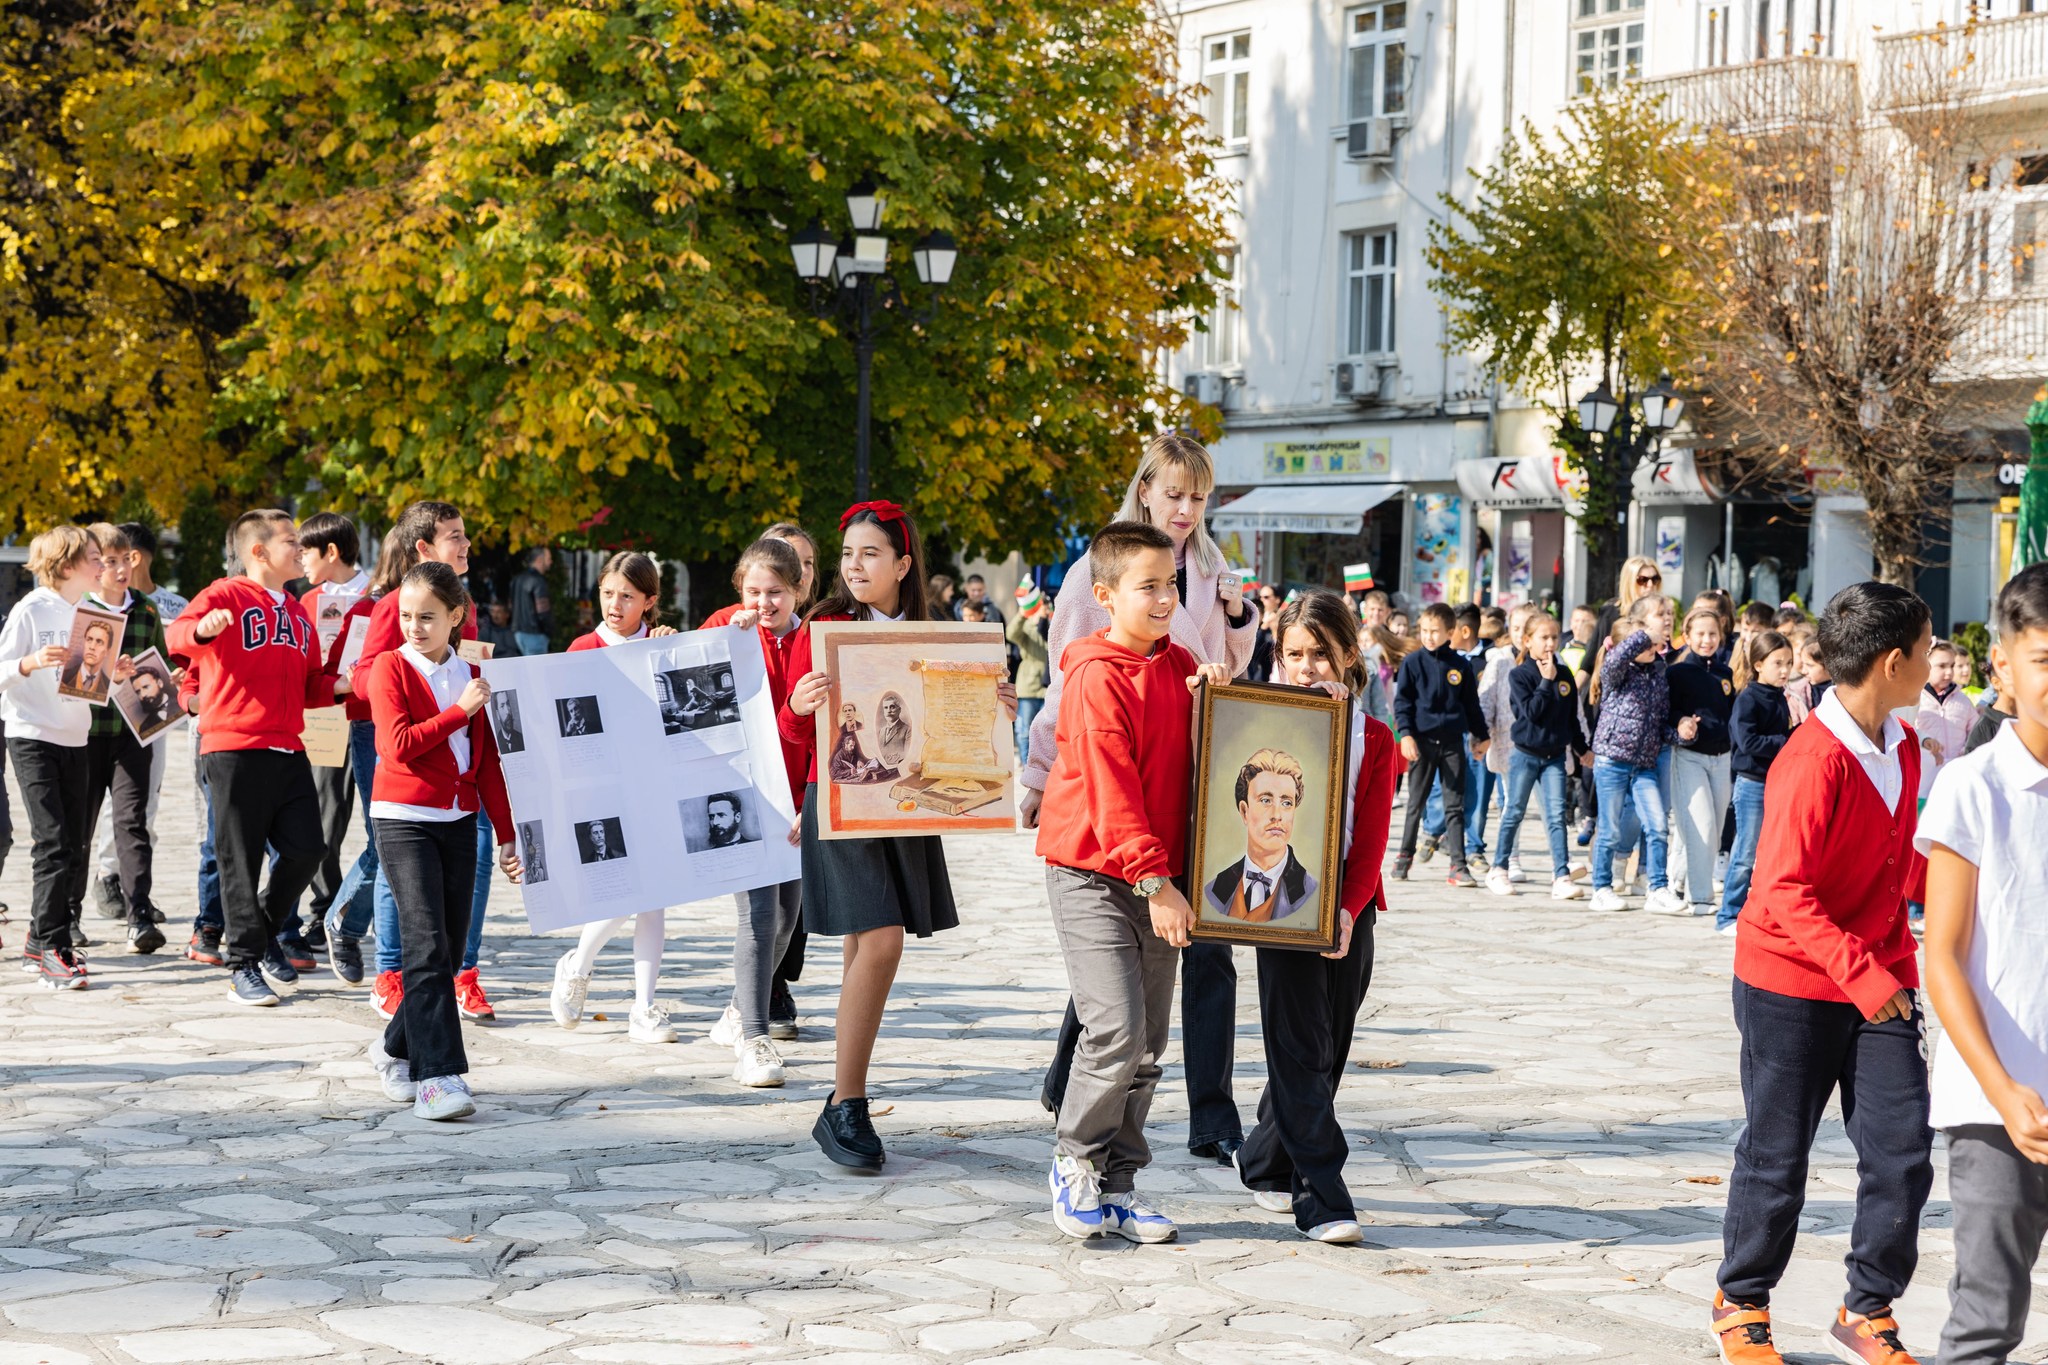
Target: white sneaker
726,1032
1664,901
1607,898
1272,1201
393,1073
442,1098
1130,1217
1342,1231
1728,930
1500,882
757,1063
1565,889
1515,872
565,1001
649,1024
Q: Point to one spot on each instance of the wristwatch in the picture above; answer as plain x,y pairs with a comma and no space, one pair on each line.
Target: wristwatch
1145,888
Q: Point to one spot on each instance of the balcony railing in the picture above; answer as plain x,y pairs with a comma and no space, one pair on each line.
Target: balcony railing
1759,96
1996,59
2008,341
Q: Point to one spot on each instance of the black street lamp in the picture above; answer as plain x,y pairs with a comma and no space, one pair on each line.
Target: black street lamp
866,292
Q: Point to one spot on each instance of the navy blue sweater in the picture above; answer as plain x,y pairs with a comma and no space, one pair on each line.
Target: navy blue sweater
1707,690
1546,711
1436,693
1761,724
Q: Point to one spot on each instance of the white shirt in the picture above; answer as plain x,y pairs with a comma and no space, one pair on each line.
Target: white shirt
1353,762
446,680
1991,808
31,707
1256,895
612,637
1882,766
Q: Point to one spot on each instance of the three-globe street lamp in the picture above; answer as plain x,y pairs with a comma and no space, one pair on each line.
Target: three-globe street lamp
1622,435
866,292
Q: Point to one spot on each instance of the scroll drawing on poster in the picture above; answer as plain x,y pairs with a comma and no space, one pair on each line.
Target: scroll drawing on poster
643,775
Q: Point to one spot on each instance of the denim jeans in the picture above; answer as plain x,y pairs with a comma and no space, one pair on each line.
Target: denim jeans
1623,786
480,897
1749,826
357,894
1526,772
1027,712
1480,784
212,912
531,643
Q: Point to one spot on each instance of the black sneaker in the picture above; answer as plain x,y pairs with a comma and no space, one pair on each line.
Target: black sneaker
108,900
79,938
781,1014
1461,876
144,937
845,1134
63,970
316,933
151,913
246,986
205,947
1430,842
296,951
1401,865
345,957
278,966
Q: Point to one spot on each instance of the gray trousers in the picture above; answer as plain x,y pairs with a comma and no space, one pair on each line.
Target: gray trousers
1121,975
2000,1201
768,917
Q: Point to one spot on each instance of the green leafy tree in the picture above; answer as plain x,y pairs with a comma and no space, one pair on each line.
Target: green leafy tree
1562,272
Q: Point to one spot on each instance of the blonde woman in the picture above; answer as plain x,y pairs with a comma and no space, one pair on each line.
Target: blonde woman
1170,489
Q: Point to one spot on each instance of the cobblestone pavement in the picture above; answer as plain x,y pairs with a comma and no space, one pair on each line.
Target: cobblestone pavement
1541,1107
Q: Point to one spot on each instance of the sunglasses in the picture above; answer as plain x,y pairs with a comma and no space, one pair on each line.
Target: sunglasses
1650,578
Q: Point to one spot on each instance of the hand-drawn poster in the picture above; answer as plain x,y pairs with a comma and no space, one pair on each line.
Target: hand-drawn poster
913,738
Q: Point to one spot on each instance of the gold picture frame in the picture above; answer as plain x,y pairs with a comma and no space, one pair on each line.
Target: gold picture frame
1258,746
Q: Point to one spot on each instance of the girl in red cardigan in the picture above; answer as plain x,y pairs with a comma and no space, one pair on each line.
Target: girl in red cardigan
436,764
626,592
1293,1160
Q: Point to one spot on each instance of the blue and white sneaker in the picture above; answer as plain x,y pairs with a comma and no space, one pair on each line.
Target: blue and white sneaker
1126,1215
1076,1197
246,986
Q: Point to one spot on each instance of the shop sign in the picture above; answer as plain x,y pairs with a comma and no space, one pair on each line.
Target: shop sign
2012,473
1436,529
1669,477
1319,459
1527,482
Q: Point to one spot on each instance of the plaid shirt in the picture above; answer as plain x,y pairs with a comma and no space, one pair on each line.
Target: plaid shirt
145,628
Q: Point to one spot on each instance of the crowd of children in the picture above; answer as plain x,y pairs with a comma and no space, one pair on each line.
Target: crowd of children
1651,738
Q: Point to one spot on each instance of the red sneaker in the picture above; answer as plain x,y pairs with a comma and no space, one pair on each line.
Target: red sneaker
63,970
1742,1333
1869,1341
470,999
205,947
387,992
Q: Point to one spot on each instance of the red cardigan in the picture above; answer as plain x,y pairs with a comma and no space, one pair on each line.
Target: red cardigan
1826,916
1372,812
799,733
384,634
415,765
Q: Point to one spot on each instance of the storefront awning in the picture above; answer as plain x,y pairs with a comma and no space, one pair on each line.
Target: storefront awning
1670,477
1330,509
1530,481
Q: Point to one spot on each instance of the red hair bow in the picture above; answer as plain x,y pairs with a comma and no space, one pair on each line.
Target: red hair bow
882,509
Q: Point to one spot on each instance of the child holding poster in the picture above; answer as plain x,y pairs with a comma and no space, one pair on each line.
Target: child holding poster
627,590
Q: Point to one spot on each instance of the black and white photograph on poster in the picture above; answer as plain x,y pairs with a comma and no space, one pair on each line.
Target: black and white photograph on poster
533,852
696,690
578,717
600,841
722,820
607,864
506,725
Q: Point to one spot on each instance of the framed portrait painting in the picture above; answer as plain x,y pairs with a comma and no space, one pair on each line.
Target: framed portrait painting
912,738
1266,848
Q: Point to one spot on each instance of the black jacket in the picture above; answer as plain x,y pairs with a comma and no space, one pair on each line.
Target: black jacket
1758,728
1546,711
1436,692
1707,690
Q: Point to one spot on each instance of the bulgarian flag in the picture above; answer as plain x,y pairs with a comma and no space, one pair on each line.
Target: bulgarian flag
1358,578
1249,581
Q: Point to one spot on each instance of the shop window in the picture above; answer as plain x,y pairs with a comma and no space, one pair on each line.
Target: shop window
1227,74
1607,43
1376,73
1368,292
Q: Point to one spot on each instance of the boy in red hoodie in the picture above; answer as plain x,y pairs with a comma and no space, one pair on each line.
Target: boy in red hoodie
260,667
1826,988
1113,832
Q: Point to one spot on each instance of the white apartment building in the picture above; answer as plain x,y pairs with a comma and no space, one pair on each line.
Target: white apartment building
1352,436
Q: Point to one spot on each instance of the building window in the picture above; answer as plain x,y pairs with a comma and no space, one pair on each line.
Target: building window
1377,74
1219,341
1607,42
1718,21
1368,292
1227,73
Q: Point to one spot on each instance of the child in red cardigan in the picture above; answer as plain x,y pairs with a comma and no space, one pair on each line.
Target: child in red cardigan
1293,1160
1826,988
437,762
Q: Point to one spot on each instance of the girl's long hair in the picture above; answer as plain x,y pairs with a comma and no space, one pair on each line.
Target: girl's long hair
643,575
1628,590
1747,657
1395,647
788,531
393,563
903,538
774,554
1529,625
1171,452
1329,618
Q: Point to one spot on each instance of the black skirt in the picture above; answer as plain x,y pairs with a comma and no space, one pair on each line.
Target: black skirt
853,885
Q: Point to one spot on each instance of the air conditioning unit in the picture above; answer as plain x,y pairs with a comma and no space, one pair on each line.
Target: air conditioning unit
1368,381
1370,139
1388,387
1353,378
1206,389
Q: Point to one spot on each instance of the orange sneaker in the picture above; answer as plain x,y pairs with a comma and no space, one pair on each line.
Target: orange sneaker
387,992
1868,1341
1742,1333
470,998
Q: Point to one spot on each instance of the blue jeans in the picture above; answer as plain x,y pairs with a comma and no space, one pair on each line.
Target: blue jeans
1480,784
1749,826
1525,773
212,913
486,855
1027,712
355,899
1626,788
531,643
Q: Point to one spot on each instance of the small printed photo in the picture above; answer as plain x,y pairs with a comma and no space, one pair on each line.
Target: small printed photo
577,716
600,841
95,644
729,819
697,697
533,853
506,726
892,728
148,701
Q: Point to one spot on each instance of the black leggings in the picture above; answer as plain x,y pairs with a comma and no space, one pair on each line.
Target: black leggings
431,865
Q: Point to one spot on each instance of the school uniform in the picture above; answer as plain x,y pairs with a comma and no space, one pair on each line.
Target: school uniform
1824,944
769,916
436,767
46,741
1701,778
1308,1007
1436,704
1758,727
1544,730
256,679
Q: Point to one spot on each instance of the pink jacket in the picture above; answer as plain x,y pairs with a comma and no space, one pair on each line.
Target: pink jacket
1200,626
1946,721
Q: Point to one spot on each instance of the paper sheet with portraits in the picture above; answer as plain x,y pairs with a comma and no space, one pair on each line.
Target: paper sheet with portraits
645,775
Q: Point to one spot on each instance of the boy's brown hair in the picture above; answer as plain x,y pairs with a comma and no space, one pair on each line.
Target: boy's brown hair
1440,613
1119,543
53,552
109,537
256,528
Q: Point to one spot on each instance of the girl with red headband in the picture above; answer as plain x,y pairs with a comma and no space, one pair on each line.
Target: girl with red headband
868,892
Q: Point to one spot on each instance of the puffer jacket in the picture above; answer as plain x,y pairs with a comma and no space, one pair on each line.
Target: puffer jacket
1635,702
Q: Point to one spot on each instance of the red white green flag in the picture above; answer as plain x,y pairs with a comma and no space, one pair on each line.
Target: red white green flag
1358,578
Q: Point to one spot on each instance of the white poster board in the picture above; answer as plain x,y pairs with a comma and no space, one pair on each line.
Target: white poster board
643,775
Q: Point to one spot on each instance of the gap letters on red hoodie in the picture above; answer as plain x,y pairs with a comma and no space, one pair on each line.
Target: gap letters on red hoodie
258,676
